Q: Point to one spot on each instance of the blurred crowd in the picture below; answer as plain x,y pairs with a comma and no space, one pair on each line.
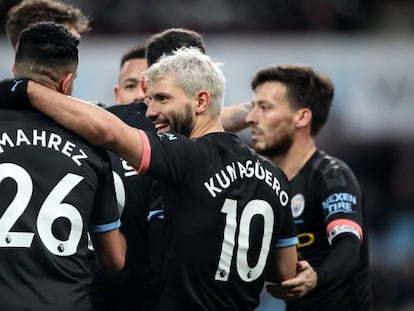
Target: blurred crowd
217,16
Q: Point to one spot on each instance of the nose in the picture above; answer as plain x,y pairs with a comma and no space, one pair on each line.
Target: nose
250,117
139,95
151,113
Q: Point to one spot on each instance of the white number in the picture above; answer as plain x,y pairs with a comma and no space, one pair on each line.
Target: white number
119,191
51,209
253,208
16,207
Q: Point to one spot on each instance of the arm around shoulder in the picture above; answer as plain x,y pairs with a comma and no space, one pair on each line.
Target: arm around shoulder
94,124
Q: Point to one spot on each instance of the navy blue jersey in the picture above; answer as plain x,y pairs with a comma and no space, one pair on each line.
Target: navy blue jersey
225,208
327,206
54,188
136,287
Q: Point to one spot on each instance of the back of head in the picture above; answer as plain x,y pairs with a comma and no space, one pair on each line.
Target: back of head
27,12
193,71
304,89
170,40
46,51
133,53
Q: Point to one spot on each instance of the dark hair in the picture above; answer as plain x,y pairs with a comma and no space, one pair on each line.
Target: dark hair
47,44
27,12
170,40
134,52
304,89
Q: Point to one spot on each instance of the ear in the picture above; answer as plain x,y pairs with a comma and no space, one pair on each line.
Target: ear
203,101
116,93
13,68
65,83
303,117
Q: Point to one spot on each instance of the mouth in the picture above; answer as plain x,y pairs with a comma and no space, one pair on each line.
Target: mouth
161,127
256,134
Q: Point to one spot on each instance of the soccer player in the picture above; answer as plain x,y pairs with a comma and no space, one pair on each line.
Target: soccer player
227,217
55,188
131,72
291,104
27,12
139,200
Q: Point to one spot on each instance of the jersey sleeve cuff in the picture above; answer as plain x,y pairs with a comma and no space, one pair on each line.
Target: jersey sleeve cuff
106,227
287,242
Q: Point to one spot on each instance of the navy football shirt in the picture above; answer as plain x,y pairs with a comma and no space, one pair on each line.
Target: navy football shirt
225,208
54,188
327,205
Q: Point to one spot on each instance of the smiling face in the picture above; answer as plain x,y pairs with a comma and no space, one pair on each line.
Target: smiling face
129,88
169,108
271,120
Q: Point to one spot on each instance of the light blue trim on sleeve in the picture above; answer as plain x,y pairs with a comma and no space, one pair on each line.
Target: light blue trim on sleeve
287,242
106,227
159,213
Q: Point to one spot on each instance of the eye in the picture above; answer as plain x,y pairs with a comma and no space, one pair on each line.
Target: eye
161,97
130,86
264,107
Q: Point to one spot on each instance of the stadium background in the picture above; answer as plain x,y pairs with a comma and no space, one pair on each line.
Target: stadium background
365,46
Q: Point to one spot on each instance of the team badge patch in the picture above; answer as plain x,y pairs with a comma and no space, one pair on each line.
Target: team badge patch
297,204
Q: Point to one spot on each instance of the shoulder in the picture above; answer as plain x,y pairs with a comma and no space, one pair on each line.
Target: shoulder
333,171
133,114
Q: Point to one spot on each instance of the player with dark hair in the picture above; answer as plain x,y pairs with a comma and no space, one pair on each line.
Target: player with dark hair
227,217
170,40
55,188
131,73
290,106
27,12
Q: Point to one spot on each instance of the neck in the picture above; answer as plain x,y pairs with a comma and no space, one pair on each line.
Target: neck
297,156
42,79
204,126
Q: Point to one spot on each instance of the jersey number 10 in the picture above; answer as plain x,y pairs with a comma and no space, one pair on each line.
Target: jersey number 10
253,208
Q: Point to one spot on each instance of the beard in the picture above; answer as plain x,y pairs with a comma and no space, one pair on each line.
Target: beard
183,124
276,148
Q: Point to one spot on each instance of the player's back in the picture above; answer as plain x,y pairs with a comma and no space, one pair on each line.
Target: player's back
50,182
224,210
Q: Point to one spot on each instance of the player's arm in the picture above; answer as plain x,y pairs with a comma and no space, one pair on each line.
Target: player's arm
233,118
297,287
342,259
344,229
93,123
282,265
110,249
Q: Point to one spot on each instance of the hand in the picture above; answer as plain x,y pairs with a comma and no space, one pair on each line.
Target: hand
13,93
297,287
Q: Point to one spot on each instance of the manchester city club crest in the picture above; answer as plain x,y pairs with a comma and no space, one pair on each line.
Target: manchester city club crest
297,204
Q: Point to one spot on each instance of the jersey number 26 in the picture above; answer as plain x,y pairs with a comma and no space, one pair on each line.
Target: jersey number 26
51,209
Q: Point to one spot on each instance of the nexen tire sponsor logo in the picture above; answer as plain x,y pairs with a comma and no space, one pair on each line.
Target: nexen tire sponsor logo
339,202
